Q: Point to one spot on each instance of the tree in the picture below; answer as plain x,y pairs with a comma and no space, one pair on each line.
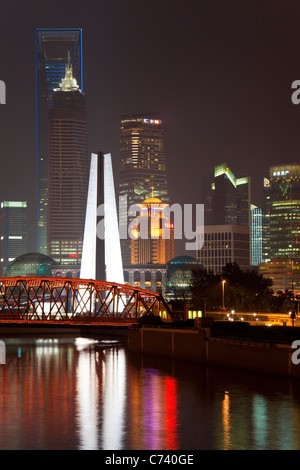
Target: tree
245,290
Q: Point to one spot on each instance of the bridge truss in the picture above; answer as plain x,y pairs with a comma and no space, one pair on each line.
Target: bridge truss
64,299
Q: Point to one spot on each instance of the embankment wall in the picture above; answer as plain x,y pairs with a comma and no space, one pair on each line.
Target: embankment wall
268,357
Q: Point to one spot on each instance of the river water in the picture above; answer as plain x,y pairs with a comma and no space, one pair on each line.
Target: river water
67,393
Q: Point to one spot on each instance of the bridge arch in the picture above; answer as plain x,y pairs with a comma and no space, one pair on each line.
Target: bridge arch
70,299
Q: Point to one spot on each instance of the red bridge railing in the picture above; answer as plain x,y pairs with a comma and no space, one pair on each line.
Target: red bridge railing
67,299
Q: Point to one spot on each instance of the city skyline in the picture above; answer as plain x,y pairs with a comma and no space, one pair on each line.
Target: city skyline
221,95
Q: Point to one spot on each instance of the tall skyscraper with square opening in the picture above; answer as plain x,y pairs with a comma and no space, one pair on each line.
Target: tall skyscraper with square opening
142,165
53,49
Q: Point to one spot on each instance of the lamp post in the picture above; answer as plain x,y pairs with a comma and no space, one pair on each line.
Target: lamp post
223,289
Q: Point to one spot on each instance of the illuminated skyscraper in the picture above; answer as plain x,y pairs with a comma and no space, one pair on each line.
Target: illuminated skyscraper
142,165
13,232
67,171
256,235
284,208
156,244
229,199
53,48
266,221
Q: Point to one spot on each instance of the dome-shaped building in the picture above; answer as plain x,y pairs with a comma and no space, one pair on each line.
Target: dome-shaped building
180,276
31,264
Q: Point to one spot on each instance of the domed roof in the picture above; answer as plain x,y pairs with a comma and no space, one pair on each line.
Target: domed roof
31,264
184,260
152,200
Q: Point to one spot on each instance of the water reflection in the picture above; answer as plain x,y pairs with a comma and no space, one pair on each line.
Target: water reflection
87,393
114,399
64,394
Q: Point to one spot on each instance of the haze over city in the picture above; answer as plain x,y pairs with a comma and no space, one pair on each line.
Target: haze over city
220,73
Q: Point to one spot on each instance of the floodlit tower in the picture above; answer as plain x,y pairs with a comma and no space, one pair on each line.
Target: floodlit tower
142,164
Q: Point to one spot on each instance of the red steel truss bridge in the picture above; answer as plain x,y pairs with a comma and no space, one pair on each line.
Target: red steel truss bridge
76,301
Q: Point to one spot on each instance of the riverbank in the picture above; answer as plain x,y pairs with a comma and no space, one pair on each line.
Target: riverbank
56,329
235,346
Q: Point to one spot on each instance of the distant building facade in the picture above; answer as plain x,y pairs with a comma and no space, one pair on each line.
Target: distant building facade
14,232
151,277
283,206
266,221
256,235
284,272
224,244
227,231
229,199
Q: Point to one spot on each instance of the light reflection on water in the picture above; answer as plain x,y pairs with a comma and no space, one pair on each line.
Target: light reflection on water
67,394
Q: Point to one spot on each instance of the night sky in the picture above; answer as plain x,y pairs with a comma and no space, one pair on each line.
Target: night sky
220,72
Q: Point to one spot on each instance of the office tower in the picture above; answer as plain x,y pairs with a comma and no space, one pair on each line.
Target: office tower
284,272
256,235
14,231
266,221
227,222
67,171
225,244
285,211
53,49
152,246
229,200
142,165
152,236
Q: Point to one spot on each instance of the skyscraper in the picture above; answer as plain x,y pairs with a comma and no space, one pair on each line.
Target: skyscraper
266,221
227,222
53,48
225,244
256,235
229,198
142,165
284,208
13,231
67,171
157,246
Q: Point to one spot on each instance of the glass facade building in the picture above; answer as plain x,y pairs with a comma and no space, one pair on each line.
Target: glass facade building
31,264
180,277
266,221
256,235
284,211
142,165
229,202
54,47
13,231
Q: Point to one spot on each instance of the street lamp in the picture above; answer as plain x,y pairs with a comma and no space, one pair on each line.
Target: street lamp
223,289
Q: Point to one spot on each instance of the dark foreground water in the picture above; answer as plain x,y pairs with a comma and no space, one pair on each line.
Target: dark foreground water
71,394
